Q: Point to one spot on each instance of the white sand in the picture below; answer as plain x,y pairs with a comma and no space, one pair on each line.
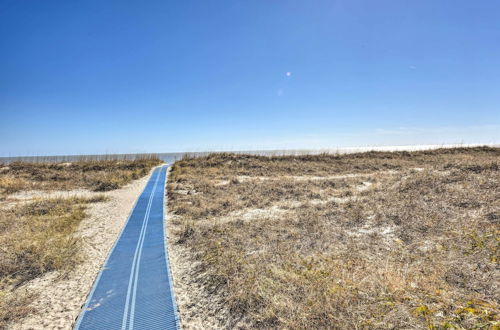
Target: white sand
60,300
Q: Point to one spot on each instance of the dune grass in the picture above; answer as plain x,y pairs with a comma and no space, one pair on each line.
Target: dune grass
370,240
35,238
38,236
95,175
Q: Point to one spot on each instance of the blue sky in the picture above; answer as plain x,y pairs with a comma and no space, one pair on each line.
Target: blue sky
158,76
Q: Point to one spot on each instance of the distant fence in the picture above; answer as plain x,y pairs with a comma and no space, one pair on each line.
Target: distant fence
172,157
76,158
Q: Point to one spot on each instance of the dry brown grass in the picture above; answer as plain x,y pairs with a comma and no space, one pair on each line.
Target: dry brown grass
35,238
39,235
14,307
369,240
95,175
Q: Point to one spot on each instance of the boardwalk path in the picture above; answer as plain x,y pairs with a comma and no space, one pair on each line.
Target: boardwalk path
134,288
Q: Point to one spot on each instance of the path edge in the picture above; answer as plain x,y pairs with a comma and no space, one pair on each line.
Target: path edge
167,256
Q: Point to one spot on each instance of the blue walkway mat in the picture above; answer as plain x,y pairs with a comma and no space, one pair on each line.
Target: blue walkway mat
134,288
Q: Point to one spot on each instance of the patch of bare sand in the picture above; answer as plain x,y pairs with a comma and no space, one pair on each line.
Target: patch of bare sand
59,299
246,178
33,194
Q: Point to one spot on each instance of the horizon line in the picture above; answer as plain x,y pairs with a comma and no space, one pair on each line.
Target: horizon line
352,149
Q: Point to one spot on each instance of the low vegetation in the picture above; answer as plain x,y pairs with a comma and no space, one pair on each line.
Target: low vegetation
95,175
38,234
368,240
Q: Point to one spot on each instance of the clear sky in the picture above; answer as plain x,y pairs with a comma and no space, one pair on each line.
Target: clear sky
94,76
